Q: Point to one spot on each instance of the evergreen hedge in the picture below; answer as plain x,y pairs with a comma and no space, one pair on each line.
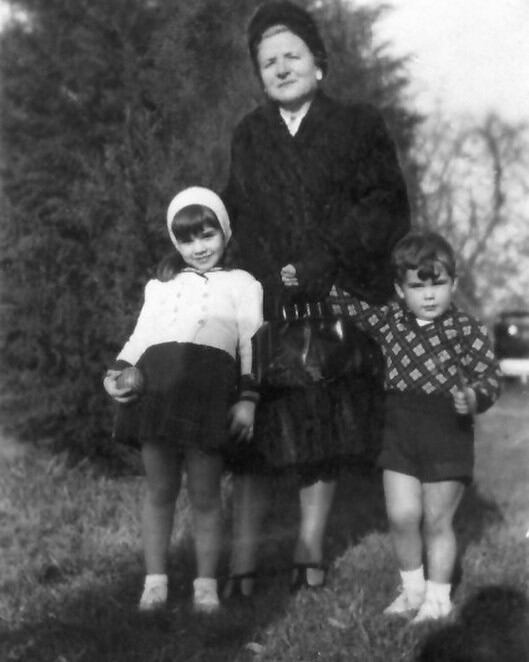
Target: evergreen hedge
109,108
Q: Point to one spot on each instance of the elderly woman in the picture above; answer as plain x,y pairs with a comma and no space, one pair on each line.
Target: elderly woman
317,201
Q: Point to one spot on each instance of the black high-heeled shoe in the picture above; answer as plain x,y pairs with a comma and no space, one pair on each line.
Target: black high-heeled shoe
233,589
299,579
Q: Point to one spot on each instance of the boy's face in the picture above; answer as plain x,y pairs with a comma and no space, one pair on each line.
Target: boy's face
427,299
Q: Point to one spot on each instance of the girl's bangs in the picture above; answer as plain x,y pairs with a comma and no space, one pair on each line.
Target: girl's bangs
192,220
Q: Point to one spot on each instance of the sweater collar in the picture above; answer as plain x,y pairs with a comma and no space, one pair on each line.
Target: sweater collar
404,314
205,274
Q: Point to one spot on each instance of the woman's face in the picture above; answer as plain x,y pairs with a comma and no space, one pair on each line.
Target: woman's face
288,70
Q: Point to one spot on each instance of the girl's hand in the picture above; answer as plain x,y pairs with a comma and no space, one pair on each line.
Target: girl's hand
241,418
465,400
288,276
122,395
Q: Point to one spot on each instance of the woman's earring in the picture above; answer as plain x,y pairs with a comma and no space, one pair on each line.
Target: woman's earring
319,74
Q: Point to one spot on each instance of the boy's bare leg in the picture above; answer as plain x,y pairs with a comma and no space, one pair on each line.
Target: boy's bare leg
403,495
441,500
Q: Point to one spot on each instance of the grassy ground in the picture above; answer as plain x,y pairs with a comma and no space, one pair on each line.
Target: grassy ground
71,569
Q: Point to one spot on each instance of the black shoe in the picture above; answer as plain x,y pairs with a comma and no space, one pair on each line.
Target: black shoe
233,589
299,576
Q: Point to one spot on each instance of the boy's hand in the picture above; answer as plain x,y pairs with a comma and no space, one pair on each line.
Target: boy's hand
122,395
288,276
465,400
241,418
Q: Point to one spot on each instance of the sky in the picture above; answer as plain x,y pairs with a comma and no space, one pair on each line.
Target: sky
472,56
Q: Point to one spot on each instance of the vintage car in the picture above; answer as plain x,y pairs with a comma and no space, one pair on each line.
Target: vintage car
511,341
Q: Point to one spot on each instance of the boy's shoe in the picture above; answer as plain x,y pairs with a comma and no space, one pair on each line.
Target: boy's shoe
405,602
433,610
154,597
205,596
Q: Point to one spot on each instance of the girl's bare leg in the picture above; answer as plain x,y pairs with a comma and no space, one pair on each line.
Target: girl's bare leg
163,473
204,473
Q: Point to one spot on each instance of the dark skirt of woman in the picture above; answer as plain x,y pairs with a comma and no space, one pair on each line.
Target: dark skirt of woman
188,391
324,421
329,423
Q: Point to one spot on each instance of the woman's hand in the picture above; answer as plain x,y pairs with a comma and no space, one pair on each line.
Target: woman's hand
241,418
465,400
122,395
288,276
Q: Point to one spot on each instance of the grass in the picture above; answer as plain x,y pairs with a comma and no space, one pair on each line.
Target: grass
71,568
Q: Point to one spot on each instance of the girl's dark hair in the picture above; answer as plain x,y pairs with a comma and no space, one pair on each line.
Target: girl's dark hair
427,252
186,224
192,220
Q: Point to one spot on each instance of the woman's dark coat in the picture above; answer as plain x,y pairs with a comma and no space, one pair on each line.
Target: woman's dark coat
331,200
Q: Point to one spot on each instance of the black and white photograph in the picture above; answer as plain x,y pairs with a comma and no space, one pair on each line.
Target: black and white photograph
264,331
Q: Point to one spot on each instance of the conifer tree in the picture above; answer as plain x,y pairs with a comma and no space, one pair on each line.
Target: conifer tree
109,108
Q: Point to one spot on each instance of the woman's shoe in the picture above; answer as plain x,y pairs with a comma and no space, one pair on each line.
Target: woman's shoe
239,586
299,578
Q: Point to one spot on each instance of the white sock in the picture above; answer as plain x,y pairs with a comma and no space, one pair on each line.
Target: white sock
438,592
413,580
208,583
155,580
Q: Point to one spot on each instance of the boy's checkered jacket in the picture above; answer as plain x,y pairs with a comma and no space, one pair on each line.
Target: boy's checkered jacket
430,358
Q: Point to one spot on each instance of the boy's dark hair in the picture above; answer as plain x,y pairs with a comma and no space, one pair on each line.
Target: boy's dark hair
187,223
424,251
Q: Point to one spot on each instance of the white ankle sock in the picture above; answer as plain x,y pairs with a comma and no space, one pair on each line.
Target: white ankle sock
413,581
155,580
438,592
206,583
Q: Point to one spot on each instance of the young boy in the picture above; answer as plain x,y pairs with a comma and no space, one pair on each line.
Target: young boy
439,370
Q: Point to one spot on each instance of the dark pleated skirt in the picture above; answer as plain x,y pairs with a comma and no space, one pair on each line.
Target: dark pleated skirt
188,391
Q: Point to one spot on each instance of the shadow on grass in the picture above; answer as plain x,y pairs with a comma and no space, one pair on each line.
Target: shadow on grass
102,624
493,625
358,510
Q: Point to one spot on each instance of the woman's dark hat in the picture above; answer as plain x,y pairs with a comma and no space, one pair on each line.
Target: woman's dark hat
296,19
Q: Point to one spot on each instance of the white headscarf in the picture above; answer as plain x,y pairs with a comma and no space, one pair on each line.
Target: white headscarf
197,195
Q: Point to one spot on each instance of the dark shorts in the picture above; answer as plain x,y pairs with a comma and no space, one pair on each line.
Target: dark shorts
425,438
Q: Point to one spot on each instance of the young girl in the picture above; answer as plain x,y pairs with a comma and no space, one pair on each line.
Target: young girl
188,335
